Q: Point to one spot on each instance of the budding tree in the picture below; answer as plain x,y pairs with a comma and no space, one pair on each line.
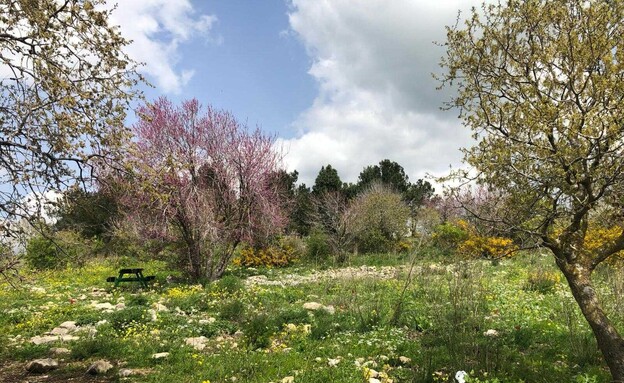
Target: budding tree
65,83
541,84
203,180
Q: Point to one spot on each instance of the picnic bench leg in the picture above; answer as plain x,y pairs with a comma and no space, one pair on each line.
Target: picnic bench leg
142,279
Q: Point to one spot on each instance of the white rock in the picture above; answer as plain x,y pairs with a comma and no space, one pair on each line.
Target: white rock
42,365
491,333
44,339
103,306
99,367
313,306
332,362
126,372
59,351
198,343
404,359
70,325
374,380
67,338
288,379
59,331
160,307
460,376
160,355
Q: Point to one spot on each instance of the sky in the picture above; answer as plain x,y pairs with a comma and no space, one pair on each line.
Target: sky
341,82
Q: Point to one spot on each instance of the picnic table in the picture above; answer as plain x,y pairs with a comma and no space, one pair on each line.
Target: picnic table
137,277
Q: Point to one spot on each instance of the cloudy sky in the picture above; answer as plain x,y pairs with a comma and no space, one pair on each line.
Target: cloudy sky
339,82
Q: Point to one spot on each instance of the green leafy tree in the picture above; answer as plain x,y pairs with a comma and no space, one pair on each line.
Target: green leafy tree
540,83
300,220
388,173
379,219
64,89
327,180
90,213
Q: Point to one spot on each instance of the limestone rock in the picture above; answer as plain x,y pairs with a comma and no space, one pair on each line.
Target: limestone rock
160,355
42,365
99,367
313,306
69,325
59,351
198,343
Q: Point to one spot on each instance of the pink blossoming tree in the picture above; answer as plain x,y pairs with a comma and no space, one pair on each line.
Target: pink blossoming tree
202,180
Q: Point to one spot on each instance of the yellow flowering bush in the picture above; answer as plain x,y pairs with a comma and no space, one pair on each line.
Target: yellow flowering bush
597,237
542,281
280,255
183,291
487,247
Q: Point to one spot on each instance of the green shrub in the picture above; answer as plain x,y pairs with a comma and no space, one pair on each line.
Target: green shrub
121,319
99,346
373,240
448,236
59,250
542,281
317,245
233,311
258,331
230,284
379,219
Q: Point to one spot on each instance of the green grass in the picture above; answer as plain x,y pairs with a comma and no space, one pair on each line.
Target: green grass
261,333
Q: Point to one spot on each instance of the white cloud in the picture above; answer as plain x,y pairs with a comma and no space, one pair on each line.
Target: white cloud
373,62
157,28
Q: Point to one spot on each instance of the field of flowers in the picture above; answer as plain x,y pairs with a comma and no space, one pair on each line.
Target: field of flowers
508,322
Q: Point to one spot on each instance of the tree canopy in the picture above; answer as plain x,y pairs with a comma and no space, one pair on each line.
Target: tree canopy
65,83
540,83
201,180
327,180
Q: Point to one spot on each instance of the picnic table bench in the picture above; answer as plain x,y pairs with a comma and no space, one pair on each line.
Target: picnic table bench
138,277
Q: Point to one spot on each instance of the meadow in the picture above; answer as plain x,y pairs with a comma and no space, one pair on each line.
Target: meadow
377,318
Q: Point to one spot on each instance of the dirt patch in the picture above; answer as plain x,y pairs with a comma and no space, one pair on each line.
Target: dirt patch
16,373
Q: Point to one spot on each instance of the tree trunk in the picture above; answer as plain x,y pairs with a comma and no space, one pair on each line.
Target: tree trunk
608,339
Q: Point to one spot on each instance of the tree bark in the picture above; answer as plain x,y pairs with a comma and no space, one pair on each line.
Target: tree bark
607,337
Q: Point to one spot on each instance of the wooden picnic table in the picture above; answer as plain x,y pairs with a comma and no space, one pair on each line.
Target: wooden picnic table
138,277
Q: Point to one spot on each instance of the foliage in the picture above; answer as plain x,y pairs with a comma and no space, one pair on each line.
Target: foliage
299,220
202,180
59,250
388,173
66,85
379,219
449,236
92,214
333,217
317,245
327,181
542,281
482,246
278,255
539,83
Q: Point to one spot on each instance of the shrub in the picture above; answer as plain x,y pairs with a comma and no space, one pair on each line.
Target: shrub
487,247
379,219
279,255
230,284
318,245
233,311
448,236
258,331
542,281
59,250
